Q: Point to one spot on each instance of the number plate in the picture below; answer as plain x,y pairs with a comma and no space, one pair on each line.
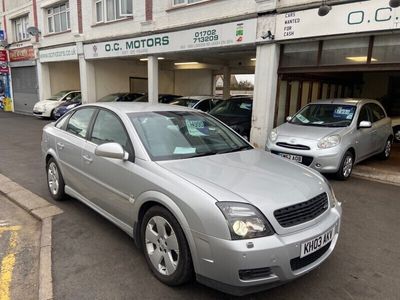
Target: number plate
316,243
297,158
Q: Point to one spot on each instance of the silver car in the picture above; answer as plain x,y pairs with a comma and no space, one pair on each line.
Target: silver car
196,197
332,135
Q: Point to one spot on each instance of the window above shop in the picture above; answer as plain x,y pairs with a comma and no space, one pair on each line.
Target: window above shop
112,10
345,51
386,49
58,18
300,54
176,3
20,25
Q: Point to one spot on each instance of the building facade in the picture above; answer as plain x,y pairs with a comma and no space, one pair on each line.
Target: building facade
181,46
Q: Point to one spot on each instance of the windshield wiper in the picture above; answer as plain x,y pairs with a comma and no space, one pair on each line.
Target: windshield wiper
245,147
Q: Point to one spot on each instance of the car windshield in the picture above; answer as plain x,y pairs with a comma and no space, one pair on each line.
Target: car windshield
143,98
110,98
325,115
179,135
184,102
233,107
58,96
76,99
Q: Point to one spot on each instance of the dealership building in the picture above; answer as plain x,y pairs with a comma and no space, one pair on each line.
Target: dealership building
182,46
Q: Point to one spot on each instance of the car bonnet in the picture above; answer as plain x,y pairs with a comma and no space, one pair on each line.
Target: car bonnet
307,132
255,176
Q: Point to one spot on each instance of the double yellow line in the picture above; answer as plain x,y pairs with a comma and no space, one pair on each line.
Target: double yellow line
8,261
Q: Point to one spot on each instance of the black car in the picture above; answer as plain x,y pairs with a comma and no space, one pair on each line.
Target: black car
162,98
235,112
121,97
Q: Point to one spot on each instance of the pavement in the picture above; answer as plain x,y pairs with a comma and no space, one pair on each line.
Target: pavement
93,259
19,252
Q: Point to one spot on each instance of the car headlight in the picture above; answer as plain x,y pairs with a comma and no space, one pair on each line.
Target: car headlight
329,141
334,200
273,135
245,221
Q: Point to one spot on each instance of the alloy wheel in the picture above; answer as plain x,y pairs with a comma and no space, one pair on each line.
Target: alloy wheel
53,178
162,245
347,166
388,148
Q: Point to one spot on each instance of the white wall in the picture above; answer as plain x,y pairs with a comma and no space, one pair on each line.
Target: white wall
64,76
193,82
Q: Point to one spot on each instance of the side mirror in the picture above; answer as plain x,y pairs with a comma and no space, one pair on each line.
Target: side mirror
288,118
111,150
365,124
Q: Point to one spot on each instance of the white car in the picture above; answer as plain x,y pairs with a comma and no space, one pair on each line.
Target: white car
396,128
45,108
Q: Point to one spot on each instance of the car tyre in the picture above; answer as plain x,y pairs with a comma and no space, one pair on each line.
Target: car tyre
346,166
165,247
55,180
385,154
396,131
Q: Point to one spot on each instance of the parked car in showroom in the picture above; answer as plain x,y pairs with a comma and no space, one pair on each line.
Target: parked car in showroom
203,103
235,112
65,106
196,197
162,98
45,108
121,97
332,135
396,128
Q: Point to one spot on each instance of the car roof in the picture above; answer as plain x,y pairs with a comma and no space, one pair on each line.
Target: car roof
198,98
348,101
132,107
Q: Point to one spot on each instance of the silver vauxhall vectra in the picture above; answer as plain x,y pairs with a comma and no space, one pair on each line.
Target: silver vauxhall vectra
197,198
334,134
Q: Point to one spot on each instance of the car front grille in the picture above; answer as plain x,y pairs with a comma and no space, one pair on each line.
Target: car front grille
306,160
302,212
298,263
255,273
293,146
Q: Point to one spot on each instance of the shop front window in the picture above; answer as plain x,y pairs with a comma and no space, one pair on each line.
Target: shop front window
386,49
345,51
303,54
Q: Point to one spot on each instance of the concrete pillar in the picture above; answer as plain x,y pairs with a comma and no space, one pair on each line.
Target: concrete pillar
266,78
152,71
87,77
43,76
227,82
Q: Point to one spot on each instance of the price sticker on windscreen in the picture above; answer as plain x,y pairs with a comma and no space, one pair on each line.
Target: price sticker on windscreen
196,127
344,112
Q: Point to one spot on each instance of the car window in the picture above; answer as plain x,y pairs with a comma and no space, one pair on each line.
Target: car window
364,115
233,107
376,112
79,122
204,105
108,128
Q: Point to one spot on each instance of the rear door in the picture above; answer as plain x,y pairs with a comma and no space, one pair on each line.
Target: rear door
110,183
70,143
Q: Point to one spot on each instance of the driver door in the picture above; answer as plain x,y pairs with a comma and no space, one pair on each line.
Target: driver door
364,143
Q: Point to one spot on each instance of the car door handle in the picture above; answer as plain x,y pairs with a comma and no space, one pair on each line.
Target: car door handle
60,146
87,159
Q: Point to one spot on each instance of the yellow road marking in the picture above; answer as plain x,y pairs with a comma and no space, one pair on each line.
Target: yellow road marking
8,262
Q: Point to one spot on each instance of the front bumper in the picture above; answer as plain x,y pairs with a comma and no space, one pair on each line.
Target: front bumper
322,160
275,259
41,112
